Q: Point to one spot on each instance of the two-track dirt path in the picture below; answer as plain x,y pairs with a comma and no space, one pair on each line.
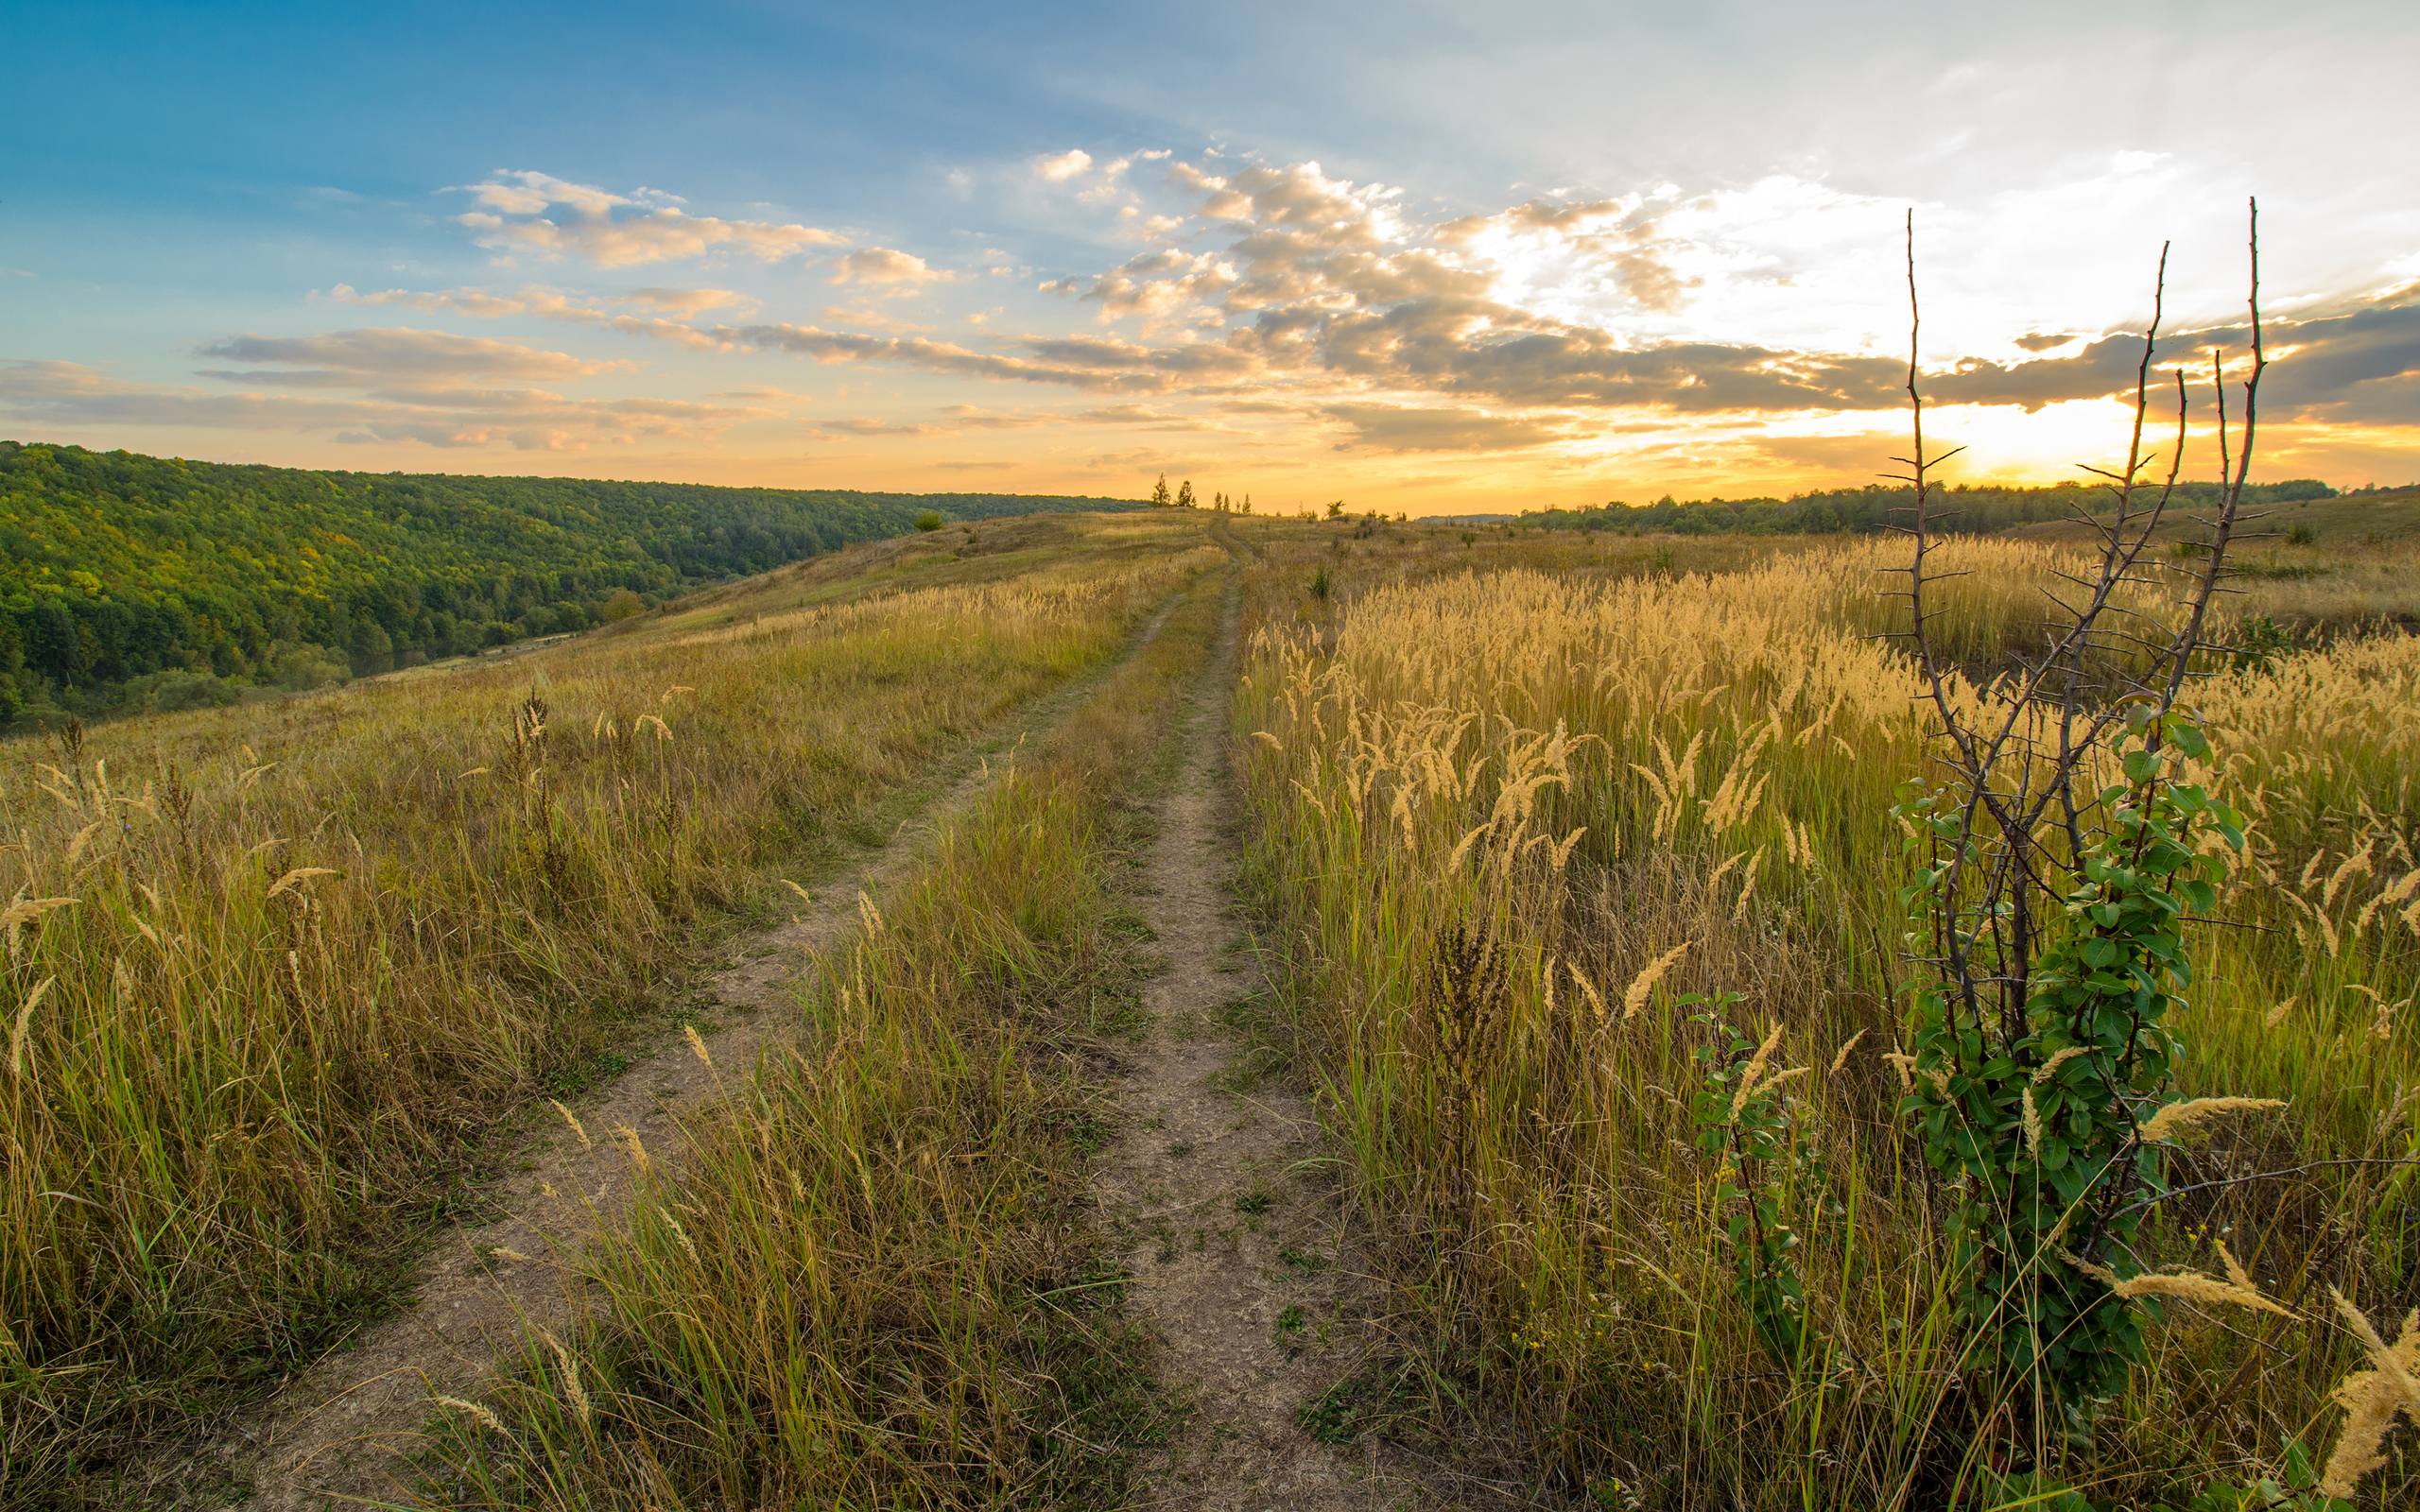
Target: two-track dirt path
1218,1192
335,1435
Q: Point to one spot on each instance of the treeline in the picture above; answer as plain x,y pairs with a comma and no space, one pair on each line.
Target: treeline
1878,506
131,582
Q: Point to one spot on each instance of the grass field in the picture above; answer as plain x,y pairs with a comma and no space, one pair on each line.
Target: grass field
273,973
1513,815
1505,822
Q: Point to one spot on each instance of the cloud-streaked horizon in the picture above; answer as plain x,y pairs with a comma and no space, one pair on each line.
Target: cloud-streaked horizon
1261,320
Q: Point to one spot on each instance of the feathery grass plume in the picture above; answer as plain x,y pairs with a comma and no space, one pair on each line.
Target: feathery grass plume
83,838
2372,1400
576,1393
17,914
2175,1118
2182,1286
804,896
696,1045
297,877
2236,1273
662,730
2033,1122
2050,1067
573,1124
1587,989
633,1148
485,1416
2356,865
508,1253
1644,983
2277,1015
24,1022
681,1236
1841,1058
1755,1069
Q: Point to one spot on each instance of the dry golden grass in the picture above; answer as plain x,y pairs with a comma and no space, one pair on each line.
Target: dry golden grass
875,1285
1684,784
271,973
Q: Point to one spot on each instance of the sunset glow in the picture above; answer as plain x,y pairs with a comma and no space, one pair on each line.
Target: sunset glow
1568,254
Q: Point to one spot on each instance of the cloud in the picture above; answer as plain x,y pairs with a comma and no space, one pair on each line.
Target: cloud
1488,331
50,394
2346,364
887,265
521,209
1409,428
401,353
553,304
1078,362
686,301
1073,163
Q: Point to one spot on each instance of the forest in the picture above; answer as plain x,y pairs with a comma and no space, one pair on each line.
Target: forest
1973,508
132,583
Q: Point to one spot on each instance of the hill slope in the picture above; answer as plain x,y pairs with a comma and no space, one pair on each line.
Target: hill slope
132,582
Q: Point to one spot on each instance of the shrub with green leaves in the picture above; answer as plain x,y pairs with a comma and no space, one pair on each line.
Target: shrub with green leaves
2038,1119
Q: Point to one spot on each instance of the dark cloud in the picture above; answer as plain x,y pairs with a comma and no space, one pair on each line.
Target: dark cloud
2346,364
1410,428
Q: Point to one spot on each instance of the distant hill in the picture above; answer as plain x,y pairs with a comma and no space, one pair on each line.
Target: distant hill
144,582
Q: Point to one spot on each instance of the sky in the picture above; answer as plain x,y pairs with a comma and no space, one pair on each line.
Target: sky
1422,257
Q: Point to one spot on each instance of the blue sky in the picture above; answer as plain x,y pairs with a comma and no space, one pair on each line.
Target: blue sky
1423,255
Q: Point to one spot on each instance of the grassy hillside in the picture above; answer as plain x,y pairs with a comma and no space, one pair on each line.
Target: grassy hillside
132,583
268,972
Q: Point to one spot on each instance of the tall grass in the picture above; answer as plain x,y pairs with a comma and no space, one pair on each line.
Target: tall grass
874,1286
1504,821
269,974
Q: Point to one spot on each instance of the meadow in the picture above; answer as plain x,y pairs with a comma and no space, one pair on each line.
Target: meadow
1545,839
1537,847
273,974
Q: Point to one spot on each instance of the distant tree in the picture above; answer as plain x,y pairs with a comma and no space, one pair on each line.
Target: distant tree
1159,499
1247,508
1335,508
620,604
930,520
1184,494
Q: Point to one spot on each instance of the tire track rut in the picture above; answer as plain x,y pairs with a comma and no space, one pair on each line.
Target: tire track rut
1215,1190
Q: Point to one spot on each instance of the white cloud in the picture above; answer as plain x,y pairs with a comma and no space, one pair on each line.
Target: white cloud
887,265
521,209
401,353
553,304
1072,163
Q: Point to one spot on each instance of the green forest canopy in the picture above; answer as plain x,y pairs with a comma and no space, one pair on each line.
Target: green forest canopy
1878,506
143,582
